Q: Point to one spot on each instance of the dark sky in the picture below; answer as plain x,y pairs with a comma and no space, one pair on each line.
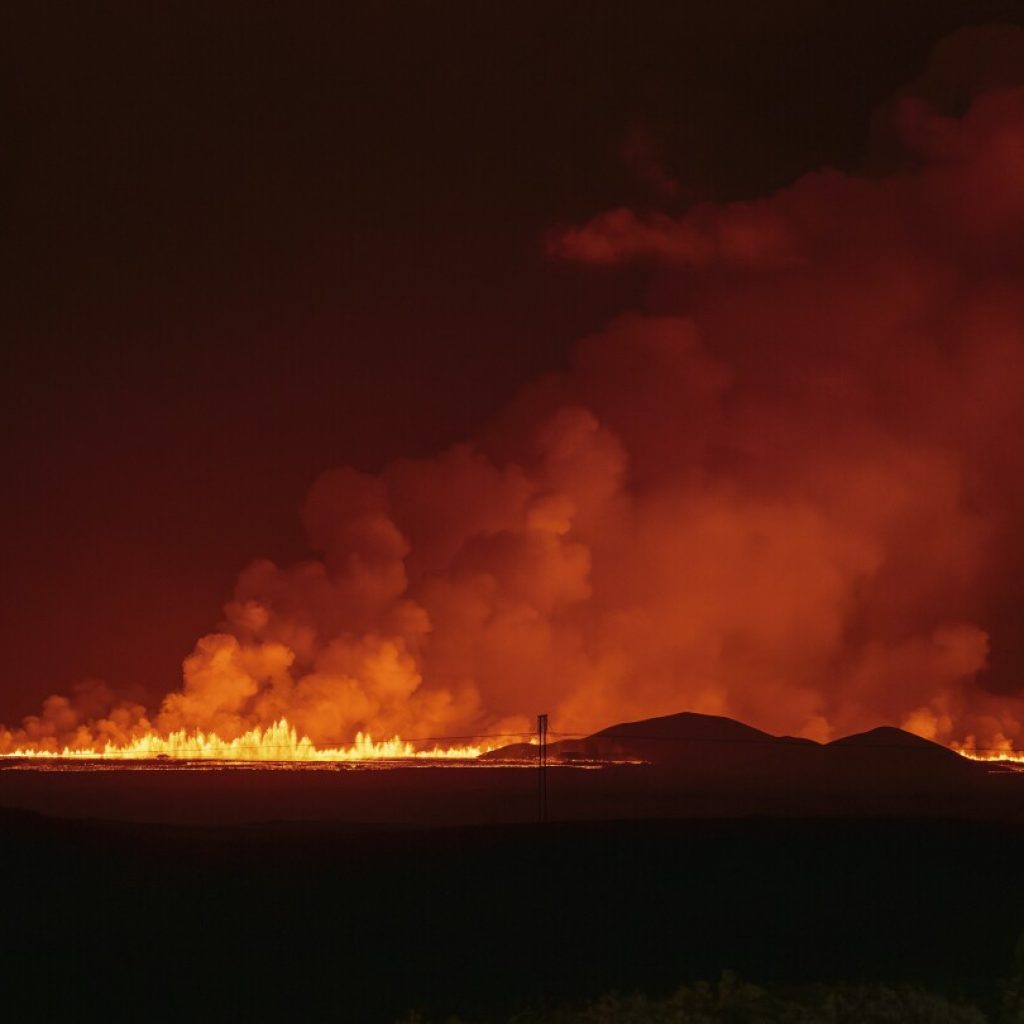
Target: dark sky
246,242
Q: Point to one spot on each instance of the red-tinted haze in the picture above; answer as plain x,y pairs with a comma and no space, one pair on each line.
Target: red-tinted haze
790,491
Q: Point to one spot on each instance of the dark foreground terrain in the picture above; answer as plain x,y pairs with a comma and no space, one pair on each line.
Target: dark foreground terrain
683,766
167,891
148,922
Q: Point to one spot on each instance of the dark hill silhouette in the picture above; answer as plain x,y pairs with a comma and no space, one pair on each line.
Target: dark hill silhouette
887,756
717,752
686,725
701,743
666,738
889,736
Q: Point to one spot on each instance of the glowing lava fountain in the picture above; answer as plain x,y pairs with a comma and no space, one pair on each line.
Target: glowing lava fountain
1005,753
280,742
277,742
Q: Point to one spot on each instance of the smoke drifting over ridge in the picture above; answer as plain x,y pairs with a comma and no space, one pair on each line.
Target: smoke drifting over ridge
790,491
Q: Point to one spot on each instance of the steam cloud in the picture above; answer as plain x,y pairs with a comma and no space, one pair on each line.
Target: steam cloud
790,491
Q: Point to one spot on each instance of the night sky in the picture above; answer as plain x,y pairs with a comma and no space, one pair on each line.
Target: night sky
246,243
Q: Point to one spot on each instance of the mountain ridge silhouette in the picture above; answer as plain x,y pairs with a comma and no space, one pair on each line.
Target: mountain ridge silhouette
718,748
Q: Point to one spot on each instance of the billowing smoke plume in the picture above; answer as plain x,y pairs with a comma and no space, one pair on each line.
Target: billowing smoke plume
790,491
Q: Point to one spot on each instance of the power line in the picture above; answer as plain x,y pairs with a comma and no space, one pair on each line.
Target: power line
542,768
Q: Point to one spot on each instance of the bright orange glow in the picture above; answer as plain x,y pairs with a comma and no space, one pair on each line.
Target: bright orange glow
1005,752
278,742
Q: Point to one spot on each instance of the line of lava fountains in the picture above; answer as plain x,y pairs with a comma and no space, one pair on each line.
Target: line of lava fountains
280,742
277,742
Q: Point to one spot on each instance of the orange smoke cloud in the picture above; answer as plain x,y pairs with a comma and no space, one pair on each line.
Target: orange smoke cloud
790,492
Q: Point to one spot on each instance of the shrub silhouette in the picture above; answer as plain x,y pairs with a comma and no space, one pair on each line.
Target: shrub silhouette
1013,999
733,1001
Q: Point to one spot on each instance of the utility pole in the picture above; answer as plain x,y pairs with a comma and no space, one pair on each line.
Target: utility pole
542,768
